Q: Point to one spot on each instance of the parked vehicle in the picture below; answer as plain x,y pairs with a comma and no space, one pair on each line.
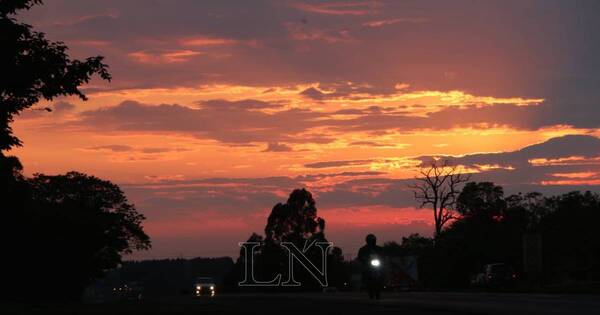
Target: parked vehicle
495,275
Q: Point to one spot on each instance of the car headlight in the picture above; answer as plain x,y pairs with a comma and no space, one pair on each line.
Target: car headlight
198,287
212,288
375,263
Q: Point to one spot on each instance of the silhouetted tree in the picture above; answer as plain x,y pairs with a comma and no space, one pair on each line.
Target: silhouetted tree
294,221
115,221
481,199
438,186
491,227
72,229
34,68
236,273
60,232
338,269
571,242
486,232
414,244
529,207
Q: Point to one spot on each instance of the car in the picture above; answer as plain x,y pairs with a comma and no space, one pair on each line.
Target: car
204,286
495,275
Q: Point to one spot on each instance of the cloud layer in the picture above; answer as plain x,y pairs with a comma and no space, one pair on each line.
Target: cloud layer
218,109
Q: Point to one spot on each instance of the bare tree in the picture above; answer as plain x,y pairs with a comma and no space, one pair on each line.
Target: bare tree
438,187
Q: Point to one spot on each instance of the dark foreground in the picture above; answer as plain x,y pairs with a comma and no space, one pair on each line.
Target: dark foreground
336,303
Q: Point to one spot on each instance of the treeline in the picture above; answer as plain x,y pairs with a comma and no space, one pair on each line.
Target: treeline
493,228
489,227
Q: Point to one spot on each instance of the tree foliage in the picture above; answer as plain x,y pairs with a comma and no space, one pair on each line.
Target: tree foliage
67,230
412,245
58,232
492,227
481,199
294,220
35,68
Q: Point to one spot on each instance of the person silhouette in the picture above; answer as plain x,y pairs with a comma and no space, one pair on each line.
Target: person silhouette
371,258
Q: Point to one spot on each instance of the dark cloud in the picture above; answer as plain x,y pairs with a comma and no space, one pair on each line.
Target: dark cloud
112,147
488,58
252,198
243,196
369,144
347,91
239,122
302,32
278,147
119,148
532,117
251,121
60,107
164,198
246,105
56,109
315,177
313,93
555,148
342,8
518,174
151,150
330,164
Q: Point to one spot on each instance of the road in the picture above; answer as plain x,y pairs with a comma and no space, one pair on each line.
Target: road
417,303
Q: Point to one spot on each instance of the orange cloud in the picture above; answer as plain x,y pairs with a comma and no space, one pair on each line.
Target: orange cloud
162,57
208,41
574,178
578,175
93,43
571,182
571,160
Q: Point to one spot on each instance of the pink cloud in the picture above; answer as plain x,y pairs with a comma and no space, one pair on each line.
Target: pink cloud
337,8
206,41
380,23
301,32
374,216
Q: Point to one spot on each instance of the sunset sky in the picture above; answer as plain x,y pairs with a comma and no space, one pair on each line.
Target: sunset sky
218,109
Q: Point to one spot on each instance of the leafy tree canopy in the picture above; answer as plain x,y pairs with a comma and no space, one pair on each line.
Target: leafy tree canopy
35,68
481,199
67,230
295,220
